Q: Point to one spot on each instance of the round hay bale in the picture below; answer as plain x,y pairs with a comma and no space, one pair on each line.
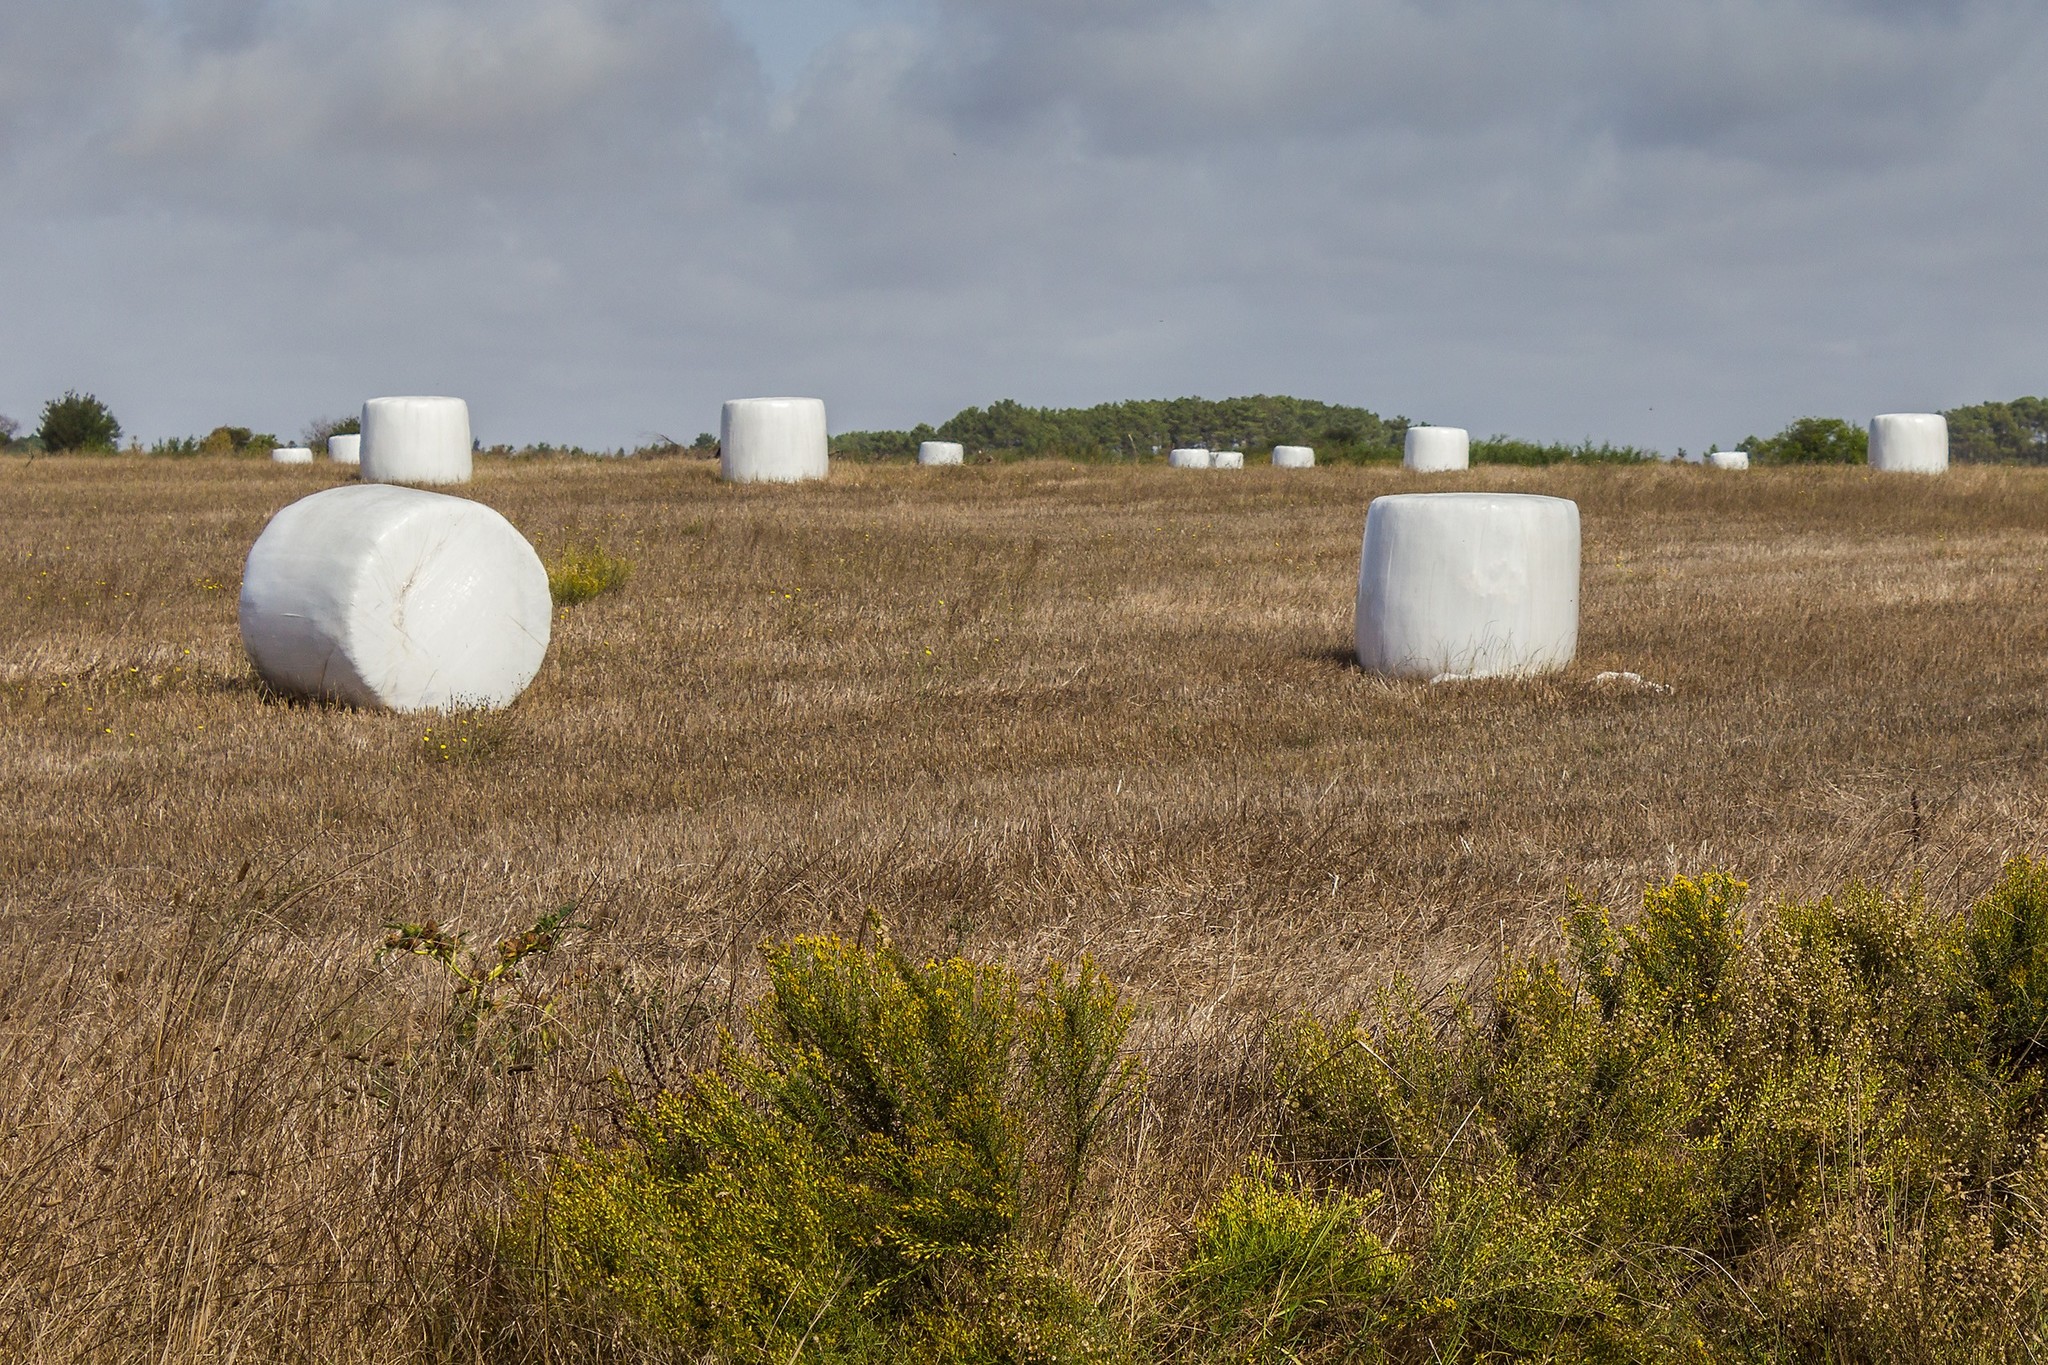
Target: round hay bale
1434,450
1190,457
415,440
941,452
345,449
1909,443
1468,585
382,596
1227,459
773,440
1294,457
1728,459
291,455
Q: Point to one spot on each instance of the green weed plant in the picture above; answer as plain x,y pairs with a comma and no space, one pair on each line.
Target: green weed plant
586,570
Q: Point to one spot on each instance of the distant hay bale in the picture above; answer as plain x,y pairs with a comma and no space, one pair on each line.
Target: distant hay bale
773,440
345,449
1437,450
1468,585
1227,459
1909,443
291,455
391,597
1728,459
941,452
1294,457
415,440
1190,457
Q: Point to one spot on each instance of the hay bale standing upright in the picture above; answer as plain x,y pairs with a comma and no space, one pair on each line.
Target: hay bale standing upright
773,440
1909,443
416,440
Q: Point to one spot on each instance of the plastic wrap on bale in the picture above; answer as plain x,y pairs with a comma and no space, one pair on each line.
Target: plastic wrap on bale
1294,457
291,455
941,452
1728,459
1909,443
397,598
1468,585
415,440
1437,450
345,449
1190,457
1227,459
773,440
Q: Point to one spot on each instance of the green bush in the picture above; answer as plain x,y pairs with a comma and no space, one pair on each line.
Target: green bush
78,421
1824,1138
1813,440
883,1173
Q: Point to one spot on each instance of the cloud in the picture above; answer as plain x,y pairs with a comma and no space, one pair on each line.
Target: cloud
1660,220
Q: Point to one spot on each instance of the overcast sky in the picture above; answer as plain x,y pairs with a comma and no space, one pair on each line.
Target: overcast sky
1671,222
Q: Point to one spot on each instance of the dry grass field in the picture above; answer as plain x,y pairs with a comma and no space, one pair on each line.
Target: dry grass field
1022,712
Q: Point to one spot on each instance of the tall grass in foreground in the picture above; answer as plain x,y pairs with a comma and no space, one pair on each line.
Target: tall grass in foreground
1821,1138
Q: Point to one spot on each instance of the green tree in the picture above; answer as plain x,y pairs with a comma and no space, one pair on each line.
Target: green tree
78,421
8,426
2000,432
1813,440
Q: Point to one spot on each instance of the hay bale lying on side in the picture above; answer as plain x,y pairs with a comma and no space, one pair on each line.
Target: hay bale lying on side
1227,459
941,452
1294,457
1190,457
391,597
291,455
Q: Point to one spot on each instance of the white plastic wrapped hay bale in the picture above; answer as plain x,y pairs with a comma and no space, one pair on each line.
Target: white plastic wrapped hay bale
773,440
415,440
1468,585
345,449
1227,459
941,452
1294,457
291,455
1728,459
1909,443
392,597
1436,450
1189,457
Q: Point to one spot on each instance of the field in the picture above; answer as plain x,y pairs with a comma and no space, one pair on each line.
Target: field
1018,712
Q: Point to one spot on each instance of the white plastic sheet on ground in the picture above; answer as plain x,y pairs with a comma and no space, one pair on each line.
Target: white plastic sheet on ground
1434,450
773,440
1227,459
1728,459
1294,457
345,449
291,455
1909,443
941,452
1468,585
415,440
393,597
1190,457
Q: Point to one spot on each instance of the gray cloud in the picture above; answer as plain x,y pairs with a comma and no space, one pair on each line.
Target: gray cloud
1663,220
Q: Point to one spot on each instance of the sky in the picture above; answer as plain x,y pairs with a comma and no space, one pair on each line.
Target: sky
1663,222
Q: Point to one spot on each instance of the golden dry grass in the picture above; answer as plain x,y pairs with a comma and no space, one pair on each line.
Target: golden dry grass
1024,711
